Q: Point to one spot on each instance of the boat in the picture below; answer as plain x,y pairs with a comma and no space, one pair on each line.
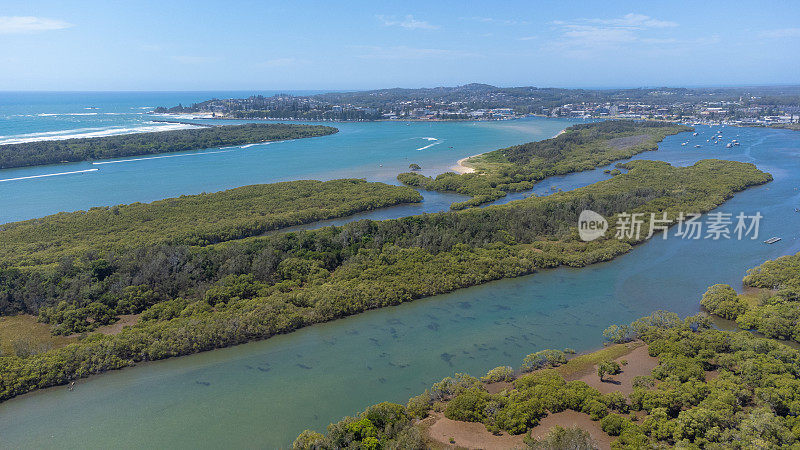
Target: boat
772,240
694,134
684,143
697,146
728,145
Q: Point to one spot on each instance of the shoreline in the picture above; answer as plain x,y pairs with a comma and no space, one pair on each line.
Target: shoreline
461,168
183,122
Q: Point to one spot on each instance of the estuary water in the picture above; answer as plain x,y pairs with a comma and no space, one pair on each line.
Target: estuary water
377,151
262,394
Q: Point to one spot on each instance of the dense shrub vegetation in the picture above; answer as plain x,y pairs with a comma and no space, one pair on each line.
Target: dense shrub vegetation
581,147
192,220
196,298
382,426
83,149
774,311
722,300
750,400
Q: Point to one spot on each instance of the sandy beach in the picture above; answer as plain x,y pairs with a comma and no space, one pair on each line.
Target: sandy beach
461,168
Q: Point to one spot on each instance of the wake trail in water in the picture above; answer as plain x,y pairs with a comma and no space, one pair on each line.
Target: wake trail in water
162,157
49,175
435,142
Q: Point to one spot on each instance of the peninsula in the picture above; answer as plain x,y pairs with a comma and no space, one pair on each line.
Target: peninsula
137,144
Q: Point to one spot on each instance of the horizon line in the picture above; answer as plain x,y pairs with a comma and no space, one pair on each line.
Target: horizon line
332,90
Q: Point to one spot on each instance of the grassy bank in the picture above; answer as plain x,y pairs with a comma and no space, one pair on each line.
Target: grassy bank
23,335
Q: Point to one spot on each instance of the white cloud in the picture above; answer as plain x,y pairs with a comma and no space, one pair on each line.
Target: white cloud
595,36
583,36
282,62
30,24
527,38
403,52
781,33
632,20
188,59
660,40
494,20
409,22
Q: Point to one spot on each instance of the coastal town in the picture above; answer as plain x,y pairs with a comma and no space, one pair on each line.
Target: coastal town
768,106
742,112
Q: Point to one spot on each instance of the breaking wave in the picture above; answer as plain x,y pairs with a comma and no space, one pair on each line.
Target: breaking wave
90,132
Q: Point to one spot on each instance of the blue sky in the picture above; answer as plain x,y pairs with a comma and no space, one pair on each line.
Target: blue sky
266,45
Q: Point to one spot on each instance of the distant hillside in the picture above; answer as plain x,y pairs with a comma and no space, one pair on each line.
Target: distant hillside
483,101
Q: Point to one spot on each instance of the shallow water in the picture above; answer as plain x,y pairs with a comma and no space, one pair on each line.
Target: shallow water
377,151
264,393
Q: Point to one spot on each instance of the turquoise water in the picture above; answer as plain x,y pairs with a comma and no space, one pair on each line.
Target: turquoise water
264,393
377,151
42,115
